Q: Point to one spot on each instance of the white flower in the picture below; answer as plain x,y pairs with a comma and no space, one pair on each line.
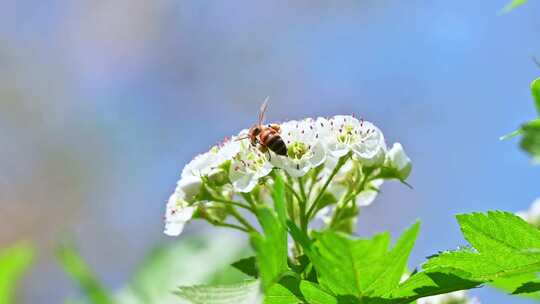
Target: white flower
177,214
457,297
204,164
342,134
247,166
532,215
304,149
398,160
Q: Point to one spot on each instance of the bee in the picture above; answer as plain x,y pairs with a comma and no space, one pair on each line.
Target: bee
266,137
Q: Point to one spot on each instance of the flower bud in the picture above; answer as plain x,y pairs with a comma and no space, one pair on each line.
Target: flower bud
397,159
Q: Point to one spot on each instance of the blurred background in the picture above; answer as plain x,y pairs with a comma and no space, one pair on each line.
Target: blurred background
103,102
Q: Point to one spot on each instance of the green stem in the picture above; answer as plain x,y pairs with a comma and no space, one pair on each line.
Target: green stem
241,219
248,197
226,201
302,188
313,206
350,195
294,193
233,226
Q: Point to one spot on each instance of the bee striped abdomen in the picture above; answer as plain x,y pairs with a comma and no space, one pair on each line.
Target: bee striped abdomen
271,139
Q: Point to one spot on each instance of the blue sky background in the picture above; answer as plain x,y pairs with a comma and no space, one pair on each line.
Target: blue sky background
103,102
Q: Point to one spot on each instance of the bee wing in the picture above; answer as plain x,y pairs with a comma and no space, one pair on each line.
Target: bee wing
262,111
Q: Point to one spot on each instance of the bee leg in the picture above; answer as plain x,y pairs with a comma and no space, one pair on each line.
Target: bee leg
269,155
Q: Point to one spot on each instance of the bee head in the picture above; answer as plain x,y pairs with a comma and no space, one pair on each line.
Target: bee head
255,130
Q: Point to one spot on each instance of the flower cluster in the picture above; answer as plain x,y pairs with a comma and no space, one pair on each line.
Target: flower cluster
331,168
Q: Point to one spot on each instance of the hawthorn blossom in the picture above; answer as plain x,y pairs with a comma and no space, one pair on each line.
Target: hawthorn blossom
178,213
304,148
248,165
342,134
313,146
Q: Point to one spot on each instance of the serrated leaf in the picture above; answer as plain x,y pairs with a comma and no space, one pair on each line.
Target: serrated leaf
271,248
504,246
79,271
286,291
392,266
432,282
314,294
241,293
360,267
514,283
499,231
247,266
14,262
340,259
528,287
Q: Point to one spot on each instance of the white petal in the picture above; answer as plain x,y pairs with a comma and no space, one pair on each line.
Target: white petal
174,228
244,183
296,168
319,155
365,198
190,186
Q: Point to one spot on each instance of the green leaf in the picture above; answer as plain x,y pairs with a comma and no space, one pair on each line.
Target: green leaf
528,287
504,246
278,195
385,273
75,266
247,266
271,248
530,141
498,231
515,284
241,293
431,282
535,90
289,290
199,259
361,267
512,5
314,294
14,262
286,291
